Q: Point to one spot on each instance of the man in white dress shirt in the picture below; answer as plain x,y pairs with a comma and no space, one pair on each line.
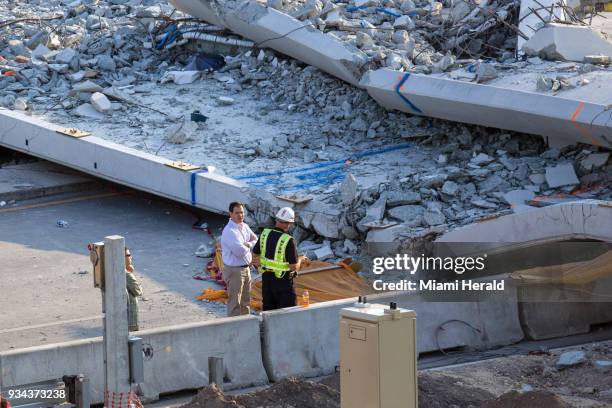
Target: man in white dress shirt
237,241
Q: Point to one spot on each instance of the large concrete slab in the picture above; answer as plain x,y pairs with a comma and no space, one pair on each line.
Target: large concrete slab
312,348
563,121
567,42
123,165
587,219
530,15
179,358
271,28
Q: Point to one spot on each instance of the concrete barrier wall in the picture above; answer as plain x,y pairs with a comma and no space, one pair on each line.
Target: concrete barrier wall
312,348
180,354
558,310
179,360
49,362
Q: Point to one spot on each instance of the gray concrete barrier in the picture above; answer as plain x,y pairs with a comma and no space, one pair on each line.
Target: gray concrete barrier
179,358
44,363
180,354
557,310
304,341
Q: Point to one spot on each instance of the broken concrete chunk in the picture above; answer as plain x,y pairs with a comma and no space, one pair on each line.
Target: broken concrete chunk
404,22
20,104
59,68
225,101
537,178
101,102
275,4
180,77
349,247
88,111
450,188
481,159
597,59
409,214
459,10
374,213
492,183
566,43
386,240
106,63
553,153
595,161
444,63
87,86
434,218
570,359
479,202
40,51
181,132
65,56
324,252
518,197
433,180
561,175
348,189
485,72
603,366
396,198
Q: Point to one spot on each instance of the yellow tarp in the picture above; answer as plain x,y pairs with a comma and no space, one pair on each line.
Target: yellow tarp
577,273
334,284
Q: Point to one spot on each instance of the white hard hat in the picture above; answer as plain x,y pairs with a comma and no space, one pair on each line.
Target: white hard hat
286,214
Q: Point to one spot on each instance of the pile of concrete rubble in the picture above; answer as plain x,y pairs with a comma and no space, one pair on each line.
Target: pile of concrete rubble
81,57
422,36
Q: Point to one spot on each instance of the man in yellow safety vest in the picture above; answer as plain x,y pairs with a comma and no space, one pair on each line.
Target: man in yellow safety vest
279,262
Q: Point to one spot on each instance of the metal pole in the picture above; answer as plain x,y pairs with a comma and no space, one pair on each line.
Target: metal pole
116,357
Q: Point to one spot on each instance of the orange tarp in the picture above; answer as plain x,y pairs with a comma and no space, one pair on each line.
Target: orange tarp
338,283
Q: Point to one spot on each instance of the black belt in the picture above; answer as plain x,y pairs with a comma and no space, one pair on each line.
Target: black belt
238,266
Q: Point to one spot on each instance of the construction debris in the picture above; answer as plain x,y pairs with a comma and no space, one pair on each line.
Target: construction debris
520,381
295,116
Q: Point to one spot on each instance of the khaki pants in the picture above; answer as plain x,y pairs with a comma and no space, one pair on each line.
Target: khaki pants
238,289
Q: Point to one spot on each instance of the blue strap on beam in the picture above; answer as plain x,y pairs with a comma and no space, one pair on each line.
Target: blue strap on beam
193,184
399,93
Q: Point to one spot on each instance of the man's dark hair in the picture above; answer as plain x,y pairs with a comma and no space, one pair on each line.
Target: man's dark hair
235,204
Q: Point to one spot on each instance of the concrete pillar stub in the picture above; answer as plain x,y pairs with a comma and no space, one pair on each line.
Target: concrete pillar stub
116,375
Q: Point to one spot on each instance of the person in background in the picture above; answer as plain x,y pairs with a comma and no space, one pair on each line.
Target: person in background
278,262
134,289
237,240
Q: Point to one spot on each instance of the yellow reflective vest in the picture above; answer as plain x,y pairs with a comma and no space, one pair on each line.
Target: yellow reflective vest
279,264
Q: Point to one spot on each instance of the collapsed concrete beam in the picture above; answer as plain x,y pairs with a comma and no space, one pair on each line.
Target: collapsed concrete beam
271,28
565,42
564,121
530,13
587,219
119,164
153,174
548,310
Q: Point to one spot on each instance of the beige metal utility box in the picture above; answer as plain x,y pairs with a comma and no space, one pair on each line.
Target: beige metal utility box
378,357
